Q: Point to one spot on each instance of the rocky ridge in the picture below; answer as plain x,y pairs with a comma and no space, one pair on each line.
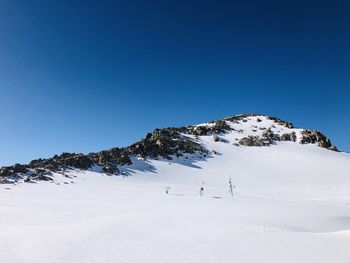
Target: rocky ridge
169,143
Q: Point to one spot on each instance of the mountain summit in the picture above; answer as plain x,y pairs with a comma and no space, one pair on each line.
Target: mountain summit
176,144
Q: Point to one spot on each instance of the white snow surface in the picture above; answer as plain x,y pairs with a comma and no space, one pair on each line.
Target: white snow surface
291,203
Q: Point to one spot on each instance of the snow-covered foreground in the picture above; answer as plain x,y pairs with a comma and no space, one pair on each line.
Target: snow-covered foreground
291,204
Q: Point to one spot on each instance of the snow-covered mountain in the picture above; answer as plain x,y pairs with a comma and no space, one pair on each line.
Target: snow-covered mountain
176,144
290,199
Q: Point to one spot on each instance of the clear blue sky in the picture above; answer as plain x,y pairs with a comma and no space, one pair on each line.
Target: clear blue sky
83,76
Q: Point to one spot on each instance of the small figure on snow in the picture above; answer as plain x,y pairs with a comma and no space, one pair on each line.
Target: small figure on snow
231,186
167,190
201,191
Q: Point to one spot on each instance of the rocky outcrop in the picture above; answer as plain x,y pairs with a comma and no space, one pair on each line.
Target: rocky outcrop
267,138
314,136
214,127
110,159
307,137
292,137
63,161
11,170
165,143
19,168
241,117
5,180
40,175
281,122
244,117
216,138
252,141
270,137
5,171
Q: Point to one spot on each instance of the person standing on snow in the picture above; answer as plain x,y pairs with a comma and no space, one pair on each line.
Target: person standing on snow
201,191
231,186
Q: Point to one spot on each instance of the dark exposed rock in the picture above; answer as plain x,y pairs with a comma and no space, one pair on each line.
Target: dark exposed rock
289,137
4,171
78,161
333,148
63,161
216,138
4,180
270,137
42,177
52,166
241,117
27,179
165,143
252,141
39,171
11,170
19,168
281,122
110,159
216,127
114,155
39,174
267,138
314,136
110,169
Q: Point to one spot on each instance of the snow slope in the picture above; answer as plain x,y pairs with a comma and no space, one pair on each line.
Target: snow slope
291,204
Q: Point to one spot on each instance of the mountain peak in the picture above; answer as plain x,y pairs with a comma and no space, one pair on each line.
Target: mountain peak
244,130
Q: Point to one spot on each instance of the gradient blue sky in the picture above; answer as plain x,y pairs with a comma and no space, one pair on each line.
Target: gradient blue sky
83,76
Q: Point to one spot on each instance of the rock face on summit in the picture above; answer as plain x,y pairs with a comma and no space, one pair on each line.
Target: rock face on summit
249,130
